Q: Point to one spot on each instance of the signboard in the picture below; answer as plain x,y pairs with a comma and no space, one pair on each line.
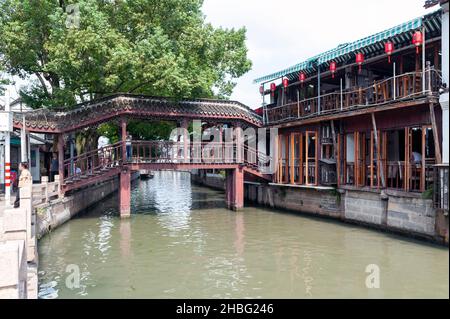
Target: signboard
6,121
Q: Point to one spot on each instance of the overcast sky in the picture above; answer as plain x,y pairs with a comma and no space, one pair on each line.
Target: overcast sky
281,33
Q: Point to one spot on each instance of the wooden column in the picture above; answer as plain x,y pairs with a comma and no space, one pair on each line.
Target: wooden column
186,139
61,158
286,156
407,155
123,125
377,145
336,151
292,159
356,158
437,142
239,143
300,160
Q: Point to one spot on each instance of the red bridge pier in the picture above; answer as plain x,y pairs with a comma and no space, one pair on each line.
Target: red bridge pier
235,188
125,193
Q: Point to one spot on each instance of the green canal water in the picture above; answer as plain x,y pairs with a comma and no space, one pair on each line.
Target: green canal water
181,242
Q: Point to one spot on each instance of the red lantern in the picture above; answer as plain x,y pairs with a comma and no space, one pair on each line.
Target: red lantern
285,83
302,77
389,48
359,60
332,68
417,40
261,90
273,87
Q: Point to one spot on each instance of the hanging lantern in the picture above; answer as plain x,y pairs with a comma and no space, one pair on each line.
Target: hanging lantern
359,60
285,83
273,87
417,40
332,68
261,90
302,77
389,48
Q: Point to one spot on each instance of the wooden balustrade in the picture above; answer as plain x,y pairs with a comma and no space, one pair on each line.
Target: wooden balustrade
141,152
402,87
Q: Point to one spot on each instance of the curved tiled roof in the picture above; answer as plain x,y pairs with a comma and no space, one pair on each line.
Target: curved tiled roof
138,106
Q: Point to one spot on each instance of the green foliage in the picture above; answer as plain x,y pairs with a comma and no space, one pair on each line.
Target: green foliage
154,47
140,130
428,193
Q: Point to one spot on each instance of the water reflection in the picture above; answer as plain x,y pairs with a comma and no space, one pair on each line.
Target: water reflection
181,242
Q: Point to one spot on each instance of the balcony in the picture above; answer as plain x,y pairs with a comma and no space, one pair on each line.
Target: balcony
403,87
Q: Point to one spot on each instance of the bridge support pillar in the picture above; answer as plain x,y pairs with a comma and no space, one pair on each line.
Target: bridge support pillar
60,147
125,193
235,189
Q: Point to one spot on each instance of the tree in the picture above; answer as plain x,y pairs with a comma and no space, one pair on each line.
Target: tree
100,47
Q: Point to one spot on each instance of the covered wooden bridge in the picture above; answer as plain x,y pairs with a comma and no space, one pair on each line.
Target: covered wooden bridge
186,152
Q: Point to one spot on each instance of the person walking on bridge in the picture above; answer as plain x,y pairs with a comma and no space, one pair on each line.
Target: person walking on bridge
128,146
54,167
25,180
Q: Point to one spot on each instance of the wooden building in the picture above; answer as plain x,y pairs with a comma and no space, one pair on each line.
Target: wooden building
363,115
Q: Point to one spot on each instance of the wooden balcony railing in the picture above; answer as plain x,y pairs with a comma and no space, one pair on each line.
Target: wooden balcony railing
400,87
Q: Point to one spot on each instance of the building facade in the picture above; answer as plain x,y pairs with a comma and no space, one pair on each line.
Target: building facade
368,117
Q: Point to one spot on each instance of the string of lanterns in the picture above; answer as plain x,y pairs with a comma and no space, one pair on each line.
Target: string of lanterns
417,40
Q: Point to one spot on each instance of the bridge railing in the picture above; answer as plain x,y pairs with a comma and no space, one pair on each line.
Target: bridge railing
93,162
400,87
197,152
103,159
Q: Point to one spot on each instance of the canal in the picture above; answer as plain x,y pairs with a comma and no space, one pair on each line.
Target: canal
181,242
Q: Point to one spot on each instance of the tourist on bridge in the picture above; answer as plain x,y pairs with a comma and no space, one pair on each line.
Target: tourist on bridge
128,145
54,167
25,180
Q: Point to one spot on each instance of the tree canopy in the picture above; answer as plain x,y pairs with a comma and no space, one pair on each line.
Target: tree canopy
100,47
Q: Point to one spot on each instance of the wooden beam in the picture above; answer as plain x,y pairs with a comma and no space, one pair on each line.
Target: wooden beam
374,124
437,146
365,110
306,158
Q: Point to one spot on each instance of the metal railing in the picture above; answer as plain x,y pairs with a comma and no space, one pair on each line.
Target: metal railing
399,87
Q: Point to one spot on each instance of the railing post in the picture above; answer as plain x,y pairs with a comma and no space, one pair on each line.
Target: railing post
44,182
342,105
318,89
60,159
394,82
429,77
423,60
123,124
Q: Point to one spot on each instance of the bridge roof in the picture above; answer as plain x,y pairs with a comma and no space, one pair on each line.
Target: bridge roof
136,106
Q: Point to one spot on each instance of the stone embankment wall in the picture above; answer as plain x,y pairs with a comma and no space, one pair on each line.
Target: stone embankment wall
56,212
400,212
